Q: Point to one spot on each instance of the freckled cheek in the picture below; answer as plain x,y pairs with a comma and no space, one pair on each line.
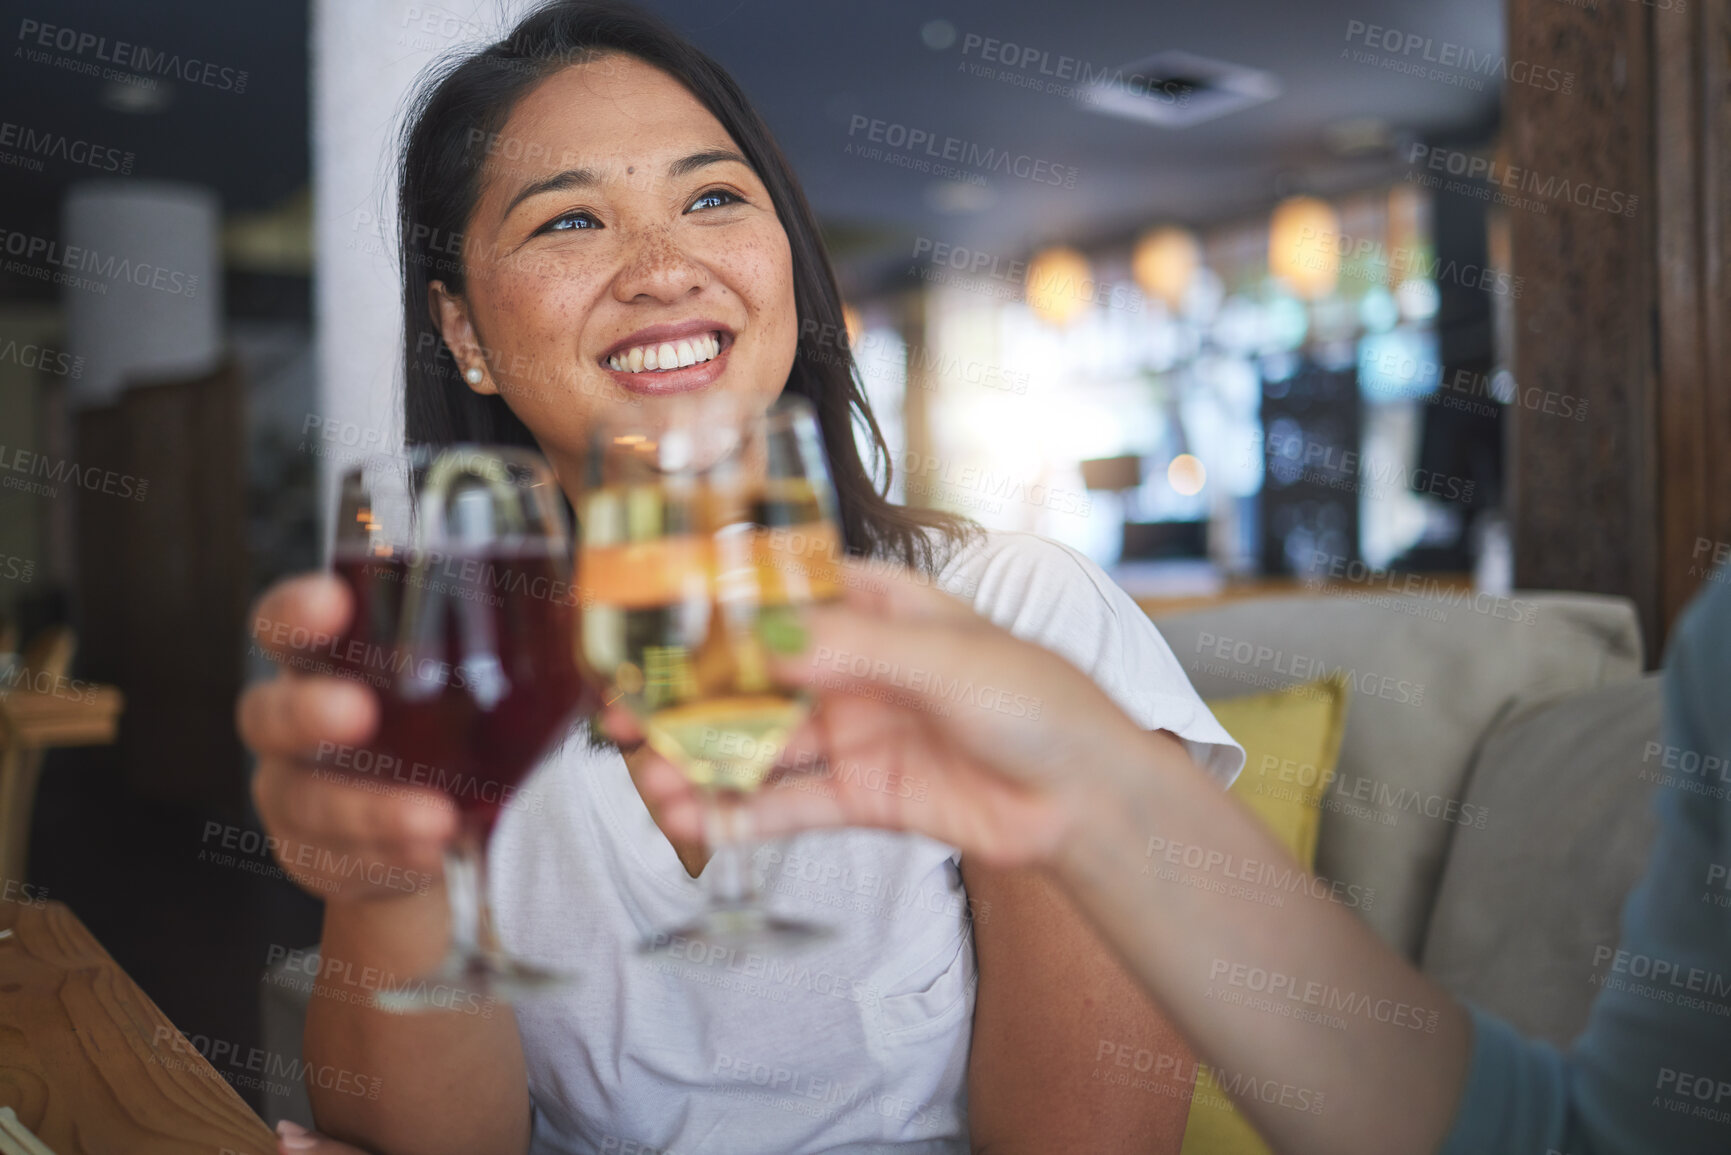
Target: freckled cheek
767,281
542,319
535,325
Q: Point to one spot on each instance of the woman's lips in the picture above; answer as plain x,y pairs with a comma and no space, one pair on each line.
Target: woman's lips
658,382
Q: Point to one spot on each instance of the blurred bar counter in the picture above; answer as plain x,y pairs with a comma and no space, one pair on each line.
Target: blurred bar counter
1163,588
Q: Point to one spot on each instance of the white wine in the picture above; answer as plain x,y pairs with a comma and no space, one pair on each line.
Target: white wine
726,743
682,587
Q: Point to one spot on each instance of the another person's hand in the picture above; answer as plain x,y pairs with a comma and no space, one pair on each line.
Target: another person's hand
293,1139
930,718
344,837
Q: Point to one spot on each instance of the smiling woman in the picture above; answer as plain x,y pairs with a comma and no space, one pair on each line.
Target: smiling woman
531,239
593,218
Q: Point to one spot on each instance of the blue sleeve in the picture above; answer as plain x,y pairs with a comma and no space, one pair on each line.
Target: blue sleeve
1652,1072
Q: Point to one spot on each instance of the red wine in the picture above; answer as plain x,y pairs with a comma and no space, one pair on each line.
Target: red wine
482,678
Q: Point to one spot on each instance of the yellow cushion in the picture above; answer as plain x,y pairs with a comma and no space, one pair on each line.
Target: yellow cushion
1291,741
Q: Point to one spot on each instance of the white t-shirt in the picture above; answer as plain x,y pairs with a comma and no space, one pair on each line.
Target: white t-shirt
859,1044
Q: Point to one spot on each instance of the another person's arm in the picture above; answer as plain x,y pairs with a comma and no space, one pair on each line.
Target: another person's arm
1078,789
447,1082
1652,1071
1401,1066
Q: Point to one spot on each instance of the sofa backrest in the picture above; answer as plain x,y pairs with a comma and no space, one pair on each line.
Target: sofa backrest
1529,909
1429,676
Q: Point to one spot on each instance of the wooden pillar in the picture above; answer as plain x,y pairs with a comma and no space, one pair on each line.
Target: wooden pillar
1692,150
1625,310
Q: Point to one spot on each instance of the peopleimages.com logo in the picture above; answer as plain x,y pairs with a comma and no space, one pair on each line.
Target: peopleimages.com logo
17,466
33,146
1509,182
932,148
86,52
43,358
73,260
1463,66
1038,70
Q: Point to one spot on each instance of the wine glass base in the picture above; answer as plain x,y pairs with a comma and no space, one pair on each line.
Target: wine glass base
468,982
724,932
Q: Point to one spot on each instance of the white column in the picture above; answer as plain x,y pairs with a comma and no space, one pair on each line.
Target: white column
366,56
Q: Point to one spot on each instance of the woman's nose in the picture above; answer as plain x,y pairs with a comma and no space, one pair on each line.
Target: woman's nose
656,267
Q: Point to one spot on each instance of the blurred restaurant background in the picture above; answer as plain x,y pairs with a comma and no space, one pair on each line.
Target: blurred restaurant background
1354,295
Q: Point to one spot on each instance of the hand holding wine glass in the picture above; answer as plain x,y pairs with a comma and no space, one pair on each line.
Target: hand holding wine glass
1077,788
1003,785
321,824
457,563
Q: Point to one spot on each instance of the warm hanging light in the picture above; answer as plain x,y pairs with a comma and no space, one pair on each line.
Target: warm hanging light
1165,262
851,322
1060,284
1187,475
1303,240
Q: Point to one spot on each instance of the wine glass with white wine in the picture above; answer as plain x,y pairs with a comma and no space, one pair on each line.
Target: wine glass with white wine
702,528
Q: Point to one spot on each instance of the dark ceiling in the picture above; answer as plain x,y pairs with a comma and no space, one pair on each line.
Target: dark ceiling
251,147
813,67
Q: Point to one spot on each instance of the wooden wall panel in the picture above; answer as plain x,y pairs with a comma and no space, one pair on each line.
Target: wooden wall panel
163,584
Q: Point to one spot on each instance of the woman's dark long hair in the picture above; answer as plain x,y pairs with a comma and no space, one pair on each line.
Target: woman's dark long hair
466,101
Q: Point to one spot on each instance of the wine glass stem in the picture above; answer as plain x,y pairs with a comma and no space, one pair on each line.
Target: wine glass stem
727,830
466,885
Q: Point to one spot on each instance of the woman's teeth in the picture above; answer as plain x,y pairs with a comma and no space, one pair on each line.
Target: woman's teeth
667,355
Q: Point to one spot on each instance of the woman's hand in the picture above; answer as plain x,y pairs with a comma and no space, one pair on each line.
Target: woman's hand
366,844
930,718
345,837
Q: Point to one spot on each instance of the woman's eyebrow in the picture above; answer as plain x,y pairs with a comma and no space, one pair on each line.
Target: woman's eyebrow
690,164
572,178
559,182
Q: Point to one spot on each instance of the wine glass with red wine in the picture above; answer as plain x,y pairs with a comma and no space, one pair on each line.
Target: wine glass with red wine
459,560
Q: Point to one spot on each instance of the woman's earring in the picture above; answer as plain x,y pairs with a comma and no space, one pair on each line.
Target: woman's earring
473,374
